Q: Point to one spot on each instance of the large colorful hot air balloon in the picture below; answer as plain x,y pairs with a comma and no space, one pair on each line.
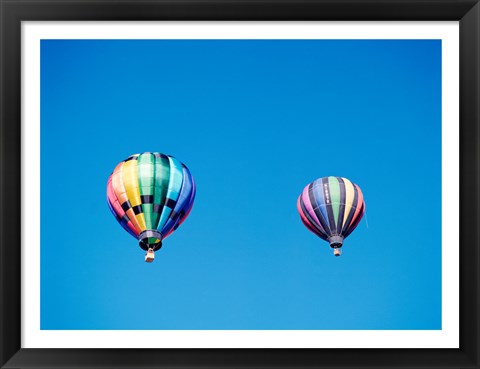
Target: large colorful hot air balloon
331,207
150,195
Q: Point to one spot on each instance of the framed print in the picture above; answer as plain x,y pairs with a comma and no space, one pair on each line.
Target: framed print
239,184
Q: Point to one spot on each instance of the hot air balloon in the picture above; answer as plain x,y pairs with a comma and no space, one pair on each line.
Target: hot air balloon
331,207
150,195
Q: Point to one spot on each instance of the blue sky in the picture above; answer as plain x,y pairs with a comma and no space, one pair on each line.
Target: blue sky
255,121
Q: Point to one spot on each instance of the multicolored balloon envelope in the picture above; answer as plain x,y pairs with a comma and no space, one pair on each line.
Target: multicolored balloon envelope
150,195
331,207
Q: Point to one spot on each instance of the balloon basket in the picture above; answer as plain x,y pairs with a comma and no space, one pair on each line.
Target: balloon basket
150,256
337,252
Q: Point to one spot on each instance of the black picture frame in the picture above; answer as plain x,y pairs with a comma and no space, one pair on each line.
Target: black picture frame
13,12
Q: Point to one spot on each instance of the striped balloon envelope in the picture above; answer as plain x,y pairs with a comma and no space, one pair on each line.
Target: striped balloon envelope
331,207
150,195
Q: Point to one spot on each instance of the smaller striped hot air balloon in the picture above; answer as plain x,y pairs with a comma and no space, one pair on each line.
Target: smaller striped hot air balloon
150,195
331,207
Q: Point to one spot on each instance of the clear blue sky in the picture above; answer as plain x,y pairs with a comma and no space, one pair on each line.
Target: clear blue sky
255,121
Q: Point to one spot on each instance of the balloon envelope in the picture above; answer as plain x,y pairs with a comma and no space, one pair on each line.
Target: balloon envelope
331,207
150,195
